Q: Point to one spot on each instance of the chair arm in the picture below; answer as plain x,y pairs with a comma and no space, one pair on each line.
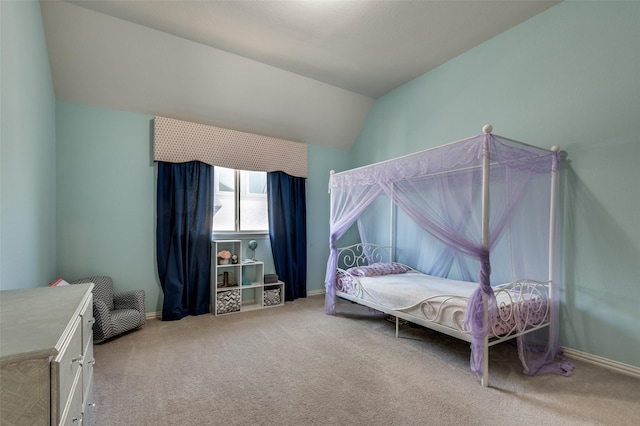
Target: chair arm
100,312
102,327
132,299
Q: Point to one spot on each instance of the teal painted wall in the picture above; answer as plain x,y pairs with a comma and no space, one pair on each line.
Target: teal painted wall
567,77
27,151
106,197
106,200
321,161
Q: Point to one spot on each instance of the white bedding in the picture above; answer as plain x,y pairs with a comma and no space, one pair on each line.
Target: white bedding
439,300
399,291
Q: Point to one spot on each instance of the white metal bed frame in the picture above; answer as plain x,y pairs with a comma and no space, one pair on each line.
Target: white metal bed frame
537,286
363,254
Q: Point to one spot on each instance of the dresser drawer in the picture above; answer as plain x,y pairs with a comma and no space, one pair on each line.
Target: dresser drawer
65,371
72,416
88,404
87,367
87,321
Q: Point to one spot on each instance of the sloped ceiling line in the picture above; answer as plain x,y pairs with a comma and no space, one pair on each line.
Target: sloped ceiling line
307,71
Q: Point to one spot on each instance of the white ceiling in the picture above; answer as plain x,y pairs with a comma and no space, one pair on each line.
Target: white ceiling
367,47
307,71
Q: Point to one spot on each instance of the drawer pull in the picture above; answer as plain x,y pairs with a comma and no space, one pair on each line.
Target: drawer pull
92,362
78,360
91,320
76,419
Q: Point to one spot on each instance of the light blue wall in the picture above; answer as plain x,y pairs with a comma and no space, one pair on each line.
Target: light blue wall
27,151
106,197
569,77
106,200
321,161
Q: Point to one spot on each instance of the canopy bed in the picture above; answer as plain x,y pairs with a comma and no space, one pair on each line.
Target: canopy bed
476,220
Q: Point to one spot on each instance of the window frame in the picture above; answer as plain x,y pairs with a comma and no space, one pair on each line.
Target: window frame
240,188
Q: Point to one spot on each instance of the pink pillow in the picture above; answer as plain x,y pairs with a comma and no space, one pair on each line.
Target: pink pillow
57,283
377,269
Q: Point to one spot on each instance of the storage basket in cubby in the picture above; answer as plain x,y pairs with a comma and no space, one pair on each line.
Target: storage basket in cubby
272,296
228,301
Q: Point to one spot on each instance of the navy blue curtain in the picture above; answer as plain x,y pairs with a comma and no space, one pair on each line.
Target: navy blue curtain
288,231
183,237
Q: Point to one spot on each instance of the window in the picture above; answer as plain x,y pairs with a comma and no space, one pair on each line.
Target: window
240,201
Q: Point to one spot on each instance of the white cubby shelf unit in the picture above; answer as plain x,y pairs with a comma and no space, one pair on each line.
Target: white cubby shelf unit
240,287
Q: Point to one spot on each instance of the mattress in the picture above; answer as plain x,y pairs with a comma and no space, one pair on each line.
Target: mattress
444,301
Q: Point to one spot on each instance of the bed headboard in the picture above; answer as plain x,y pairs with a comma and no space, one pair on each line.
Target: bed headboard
363,254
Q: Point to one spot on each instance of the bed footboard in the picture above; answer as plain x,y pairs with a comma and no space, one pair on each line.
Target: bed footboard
523,306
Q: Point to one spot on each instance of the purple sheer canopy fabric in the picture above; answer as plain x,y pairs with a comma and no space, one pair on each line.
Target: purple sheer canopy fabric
439,192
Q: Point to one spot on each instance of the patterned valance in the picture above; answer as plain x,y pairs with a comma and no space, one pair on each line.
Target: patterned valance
177,141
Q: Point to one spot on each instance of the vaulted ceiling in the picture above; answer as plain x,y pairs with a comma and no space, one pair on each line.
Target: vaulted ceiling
300,70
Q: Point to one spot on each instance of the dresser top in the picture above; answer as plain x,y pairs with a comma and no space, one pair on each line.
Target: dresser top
32,321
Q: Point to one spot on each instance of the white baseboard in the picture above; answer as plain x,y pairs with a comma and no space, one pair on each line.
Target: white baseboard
602,362
315,292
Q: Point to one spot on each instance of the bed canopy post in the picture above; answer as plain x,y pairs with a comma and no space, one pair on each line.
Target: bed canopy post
552,232
331,173
485,244
392,224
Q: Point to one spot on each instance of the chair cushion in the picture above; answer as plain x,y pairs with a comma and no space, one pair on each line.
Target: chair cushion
125,319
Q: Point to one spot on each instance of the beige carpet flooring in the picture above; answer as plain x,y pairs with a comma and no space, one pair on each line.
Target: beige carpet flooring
294,365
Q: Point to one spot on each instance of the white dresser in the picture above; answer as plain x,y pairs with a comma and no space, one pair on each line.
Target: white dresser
46,356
